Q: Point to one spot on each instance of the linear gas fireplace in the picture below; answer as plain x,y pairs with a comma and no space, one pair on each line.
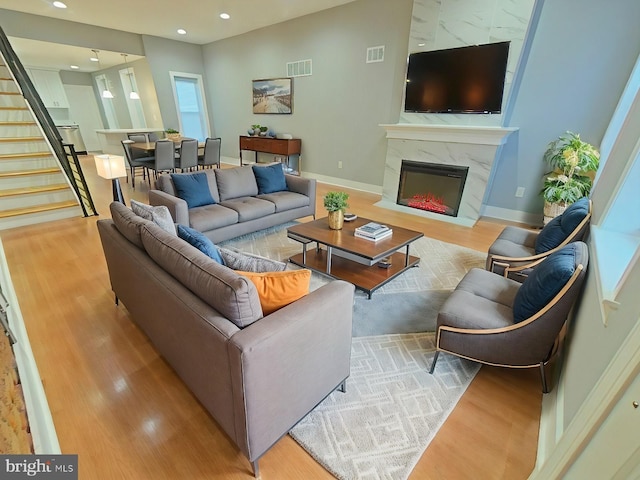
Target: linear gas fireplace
432,187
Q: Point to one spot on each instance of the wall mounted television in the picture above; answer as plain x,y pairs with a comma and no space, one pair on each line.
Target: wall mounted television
457,80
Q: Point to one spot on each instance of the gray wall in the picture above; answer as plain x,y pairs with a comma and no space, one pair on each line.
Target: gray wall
336,111
581,57
164,56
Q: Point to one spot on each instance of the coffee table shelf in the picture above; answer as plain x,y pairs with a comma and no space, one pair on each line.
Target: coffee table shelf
361,268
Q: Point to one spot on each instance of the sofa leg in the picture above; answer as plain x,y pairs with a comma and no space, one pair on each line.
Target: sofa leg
433,364
343,386
256,470
543,378
117,301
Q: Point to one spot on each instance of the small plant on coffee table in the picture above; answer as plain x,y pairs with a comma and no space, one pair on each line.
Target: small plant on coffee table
336,204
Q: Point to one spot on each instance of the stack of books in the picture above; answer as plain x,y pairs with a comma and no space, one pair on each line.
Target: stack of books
373,231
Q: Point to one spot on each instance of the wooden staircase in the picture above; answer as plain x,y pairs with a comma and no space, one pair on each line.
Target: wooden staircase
33,188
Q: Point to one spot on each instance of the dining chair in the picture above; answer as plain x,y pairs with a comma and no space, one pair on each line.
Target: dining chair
138,137
152,137
136,162
187,158
211,155
165,160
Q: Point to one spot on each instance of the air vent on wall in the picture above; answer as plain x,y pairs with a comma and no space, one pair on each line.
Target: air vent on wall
301,68
375,54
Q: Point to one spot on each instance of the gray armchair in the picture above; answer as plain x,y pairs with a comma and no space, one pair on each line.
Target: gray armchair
517,250
497,321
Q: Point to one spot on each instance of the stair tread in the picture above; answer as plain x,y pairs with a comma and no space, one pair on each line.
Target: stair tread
37,208
10,93
10,156
37,171
17,123
13,108
29,190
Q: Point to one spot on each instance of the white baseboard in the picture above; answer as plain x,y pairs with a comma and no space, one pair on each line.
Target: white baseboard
341,182
551,424
512,215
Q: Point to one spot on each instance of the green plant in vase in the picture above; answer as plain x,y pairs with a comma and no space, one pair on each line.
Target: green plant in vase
573,163
336,203
171,133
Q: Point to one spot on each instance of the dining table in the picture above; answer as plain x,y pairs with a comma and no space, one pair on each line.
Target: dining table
150,147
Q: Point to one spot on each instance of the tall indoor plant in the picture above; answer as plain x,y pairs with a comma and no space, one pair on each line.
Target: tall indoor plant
336,204
572,163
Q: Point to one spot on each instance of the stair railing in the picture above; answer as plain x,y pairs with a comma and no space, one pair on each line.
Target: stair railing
31,96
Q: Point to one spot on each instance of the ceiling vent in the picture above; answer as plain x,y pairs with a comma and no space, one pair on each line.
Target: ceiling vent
301,68
375,54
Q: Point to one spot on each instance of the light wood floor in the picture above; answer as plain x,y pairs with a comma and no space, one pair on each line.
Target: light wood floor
118,405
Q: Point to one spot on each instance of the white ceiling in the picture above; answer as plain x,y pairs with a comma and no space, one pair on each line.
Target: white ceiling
161,18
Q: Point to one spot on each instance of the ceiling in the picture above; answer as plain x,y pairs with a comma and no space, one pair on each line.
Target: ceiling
161,18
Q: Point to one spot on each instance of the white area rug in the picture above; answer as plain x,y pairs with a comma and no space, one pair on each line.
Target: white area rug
393,407
391,410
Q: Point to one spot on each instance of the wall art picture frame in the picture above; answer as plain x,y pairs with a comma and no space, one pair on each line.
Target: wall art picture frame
273,95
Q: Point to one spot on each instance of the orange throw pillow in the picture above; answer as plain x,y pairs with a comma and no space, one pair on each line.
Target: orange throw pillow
278,289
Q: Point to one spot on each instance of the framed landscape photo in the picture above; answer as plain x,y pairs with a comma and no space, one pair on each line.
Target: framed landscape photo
273,95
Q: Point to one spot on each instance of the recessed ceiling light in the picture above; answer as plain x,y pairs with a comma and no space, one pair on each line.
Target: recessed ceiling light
182,31
74,67
59,5
421,44
225,16
94,59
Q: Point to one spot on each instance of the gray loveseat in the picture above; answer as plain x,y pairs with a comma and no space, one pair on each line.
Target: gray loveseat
239,208
257,376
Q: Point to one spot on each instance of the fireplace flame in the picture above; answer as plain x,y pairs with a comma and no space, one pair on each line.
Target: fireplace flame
428,202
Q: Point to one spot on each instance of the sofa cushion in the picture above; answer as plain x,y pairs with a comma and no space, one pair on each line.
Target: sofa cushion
159,215
193,188
270,178
250,208
558,229
211,217
236,182
201,242
128,223
231,294
250,263
285,200
545,281
279,289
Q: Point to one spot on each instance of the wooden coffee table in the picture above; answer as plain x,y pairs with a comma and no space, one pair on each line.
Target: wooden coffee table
353,259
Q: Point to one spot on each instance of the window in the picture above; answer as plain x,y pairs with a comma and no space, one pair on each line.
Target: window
128,80
190,105
107,103
616,232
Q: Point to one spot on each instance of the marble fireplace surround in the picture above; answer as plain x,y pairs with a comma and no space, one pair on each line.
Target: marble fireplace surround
457,145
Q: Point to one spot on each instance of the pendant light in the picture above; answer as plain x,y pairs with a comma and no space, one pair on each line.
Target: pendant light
106,93
133,95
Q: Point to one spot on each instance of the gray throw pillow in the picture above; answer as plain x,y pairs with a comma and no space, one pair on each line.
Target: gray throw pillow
246,262
159,215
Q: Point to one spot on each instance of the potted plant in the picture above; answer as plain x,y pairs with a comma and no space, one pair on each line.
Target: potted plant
172,134
336,204
573,163
256,129
263,131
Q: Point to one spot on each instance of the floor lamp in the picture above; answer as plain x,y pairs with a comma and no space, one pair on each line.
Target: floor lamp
112,167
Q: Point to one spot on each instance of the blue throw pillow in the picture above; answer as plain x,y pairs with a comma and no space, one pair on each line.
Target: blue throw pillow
201,242
270,179
545,281
558,229
193,188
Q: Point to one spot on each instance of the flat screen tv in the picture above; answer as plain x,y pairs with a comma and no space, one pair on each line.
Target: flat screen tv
457,80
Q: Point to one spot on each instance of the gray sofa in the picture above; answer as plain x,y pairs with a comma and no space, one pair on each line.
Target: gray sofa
257,376
238,208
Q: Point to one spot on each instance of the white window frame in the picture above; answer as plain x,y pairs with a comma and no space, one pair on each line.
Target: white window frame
102,82
204,111
136,112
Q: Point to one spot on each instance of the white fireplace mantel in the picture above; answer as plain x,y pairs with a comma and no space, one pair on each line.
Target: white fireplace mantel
449,133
